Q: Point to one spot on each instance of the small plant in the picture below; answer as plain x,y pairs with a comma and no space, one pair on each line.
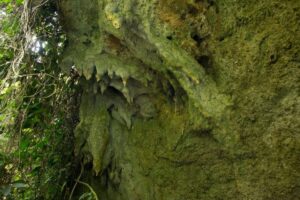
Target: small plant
36,103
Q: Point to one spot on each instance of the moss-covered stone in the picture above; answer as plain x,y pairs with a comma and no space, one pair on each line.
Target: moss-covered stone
187,99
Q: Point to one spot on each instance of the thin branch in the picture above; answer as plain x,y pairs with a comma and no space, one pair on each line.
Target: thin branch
90,188
76,182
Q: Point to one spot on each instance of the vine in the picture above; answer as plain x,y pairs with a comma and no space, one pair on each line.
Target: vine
36,103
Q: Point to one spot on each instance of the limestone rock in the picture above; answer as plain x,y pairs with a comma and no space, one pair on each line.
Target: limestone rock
199,99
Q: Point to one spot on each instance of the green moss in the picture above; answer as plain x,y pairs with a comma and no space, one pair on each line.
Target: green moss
92,133
196,102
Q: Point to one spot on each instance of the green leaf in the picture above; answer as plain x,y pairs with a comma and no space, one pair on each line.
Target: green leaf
24,144
5,190
87,196
19,185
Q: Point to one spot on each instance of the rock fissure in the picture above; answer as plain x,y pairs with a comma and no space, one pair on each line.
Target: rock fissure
186,99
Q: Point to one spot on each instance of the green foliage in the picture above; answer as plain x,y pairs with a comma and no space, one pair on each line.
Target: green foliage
10,29
36,105
86,196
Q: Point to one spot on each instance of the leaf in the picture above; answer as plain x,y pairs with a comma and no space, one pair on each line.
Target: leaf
5,190
19,185
19,2
24,144
36,166
87,195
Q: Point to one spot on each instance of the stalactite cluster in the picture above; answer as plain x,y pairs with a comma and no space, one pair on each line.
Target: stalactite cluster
186,99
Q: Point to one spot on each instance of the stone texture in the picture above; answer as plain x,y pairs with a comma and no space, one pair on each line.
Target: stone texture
187,99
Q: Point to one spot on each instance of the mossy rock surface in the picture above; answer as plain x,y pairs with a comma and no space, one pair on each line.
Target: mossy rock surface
187,99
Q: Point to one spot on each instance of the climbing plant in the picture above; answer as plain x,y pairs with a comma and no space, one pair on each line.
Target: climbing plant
36,102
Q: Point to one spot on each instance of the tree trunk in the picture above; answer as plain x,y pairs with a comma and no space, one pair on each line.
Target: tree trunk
187,99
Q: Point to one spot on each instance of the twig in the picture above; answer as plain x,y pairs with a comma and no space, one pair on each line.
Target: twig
76,182
83,183
92,190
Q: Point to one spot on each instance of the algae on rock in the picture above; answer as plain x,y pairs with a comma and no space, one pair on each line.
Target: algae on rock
187,99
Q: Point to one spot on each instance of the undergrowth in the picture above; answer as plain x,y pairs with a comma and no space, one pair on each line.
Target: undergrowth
37,103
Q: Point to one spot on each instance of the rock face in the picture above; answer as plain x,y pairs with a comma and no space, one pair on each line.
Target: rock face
187,99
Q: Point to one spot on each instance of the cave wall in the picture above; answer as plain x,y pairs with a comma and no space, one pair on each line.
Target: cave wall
187,99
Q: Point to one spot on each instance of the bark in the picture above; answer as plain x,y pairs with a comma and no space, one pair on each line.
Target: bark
187,99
